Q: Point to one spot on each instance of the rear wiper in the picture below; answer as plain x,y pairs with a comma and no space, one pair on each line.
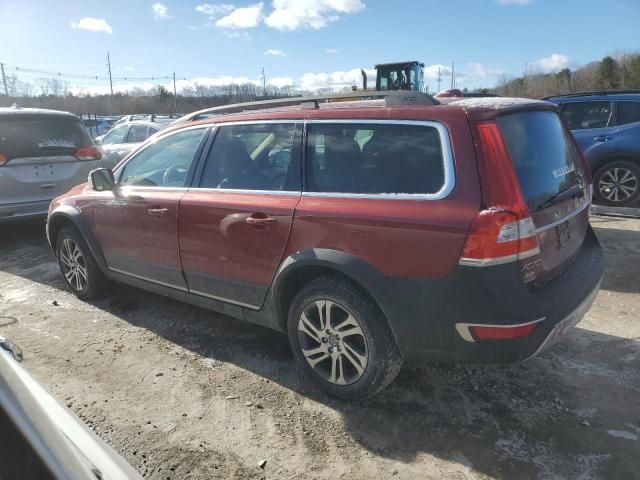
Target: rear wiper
573,191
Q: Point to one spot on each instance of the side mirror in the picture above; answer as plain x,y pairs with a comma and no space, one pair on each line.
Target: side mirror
102,179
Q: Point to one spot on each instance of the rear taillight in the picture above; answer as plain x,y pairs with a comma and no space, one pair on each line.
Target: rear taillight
88,153
503,232
3,159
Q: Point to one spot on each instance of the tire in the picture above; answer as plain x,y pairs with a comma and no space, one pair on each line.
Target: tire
350,367
79,268
617,184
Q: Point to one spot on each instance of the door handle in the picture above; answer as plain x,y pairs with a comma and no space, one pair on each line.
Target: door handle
602,138
157,211
260,221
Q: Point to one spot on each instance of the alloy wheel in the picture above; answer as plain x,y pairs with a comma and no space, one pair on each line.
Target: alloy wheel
618,184
333,342
74,267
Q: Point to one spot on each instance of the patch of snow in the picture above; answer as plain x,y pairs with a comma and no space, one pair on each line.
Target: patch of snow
497,103
623,434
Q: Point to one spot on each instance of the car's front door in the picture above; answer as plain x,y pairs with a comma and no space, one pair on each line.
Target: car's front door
234,222
136,223
592,123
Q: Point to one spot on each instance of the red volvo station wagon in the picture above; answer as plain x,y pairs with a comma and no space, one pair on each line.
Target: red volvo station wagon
370,231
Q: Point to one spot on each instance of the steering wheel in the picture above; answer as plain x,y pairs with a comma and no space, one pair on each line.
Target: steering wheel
174,175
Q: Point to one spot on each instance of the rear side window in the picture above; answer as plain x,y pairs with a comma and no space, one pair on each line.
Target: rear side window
41,137
584,115
545,159
628,112
374,159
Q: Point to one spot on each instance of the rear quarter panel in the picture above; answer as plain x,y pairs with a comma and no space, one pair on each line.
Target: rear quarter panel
400,238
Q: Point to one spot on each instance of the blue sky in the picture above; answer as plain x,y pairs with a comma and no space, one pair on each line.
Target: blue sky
308,43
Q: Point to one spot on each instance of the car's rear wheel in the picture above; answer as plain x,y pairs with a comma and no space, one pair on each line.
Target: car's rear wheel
617,184
79,269
342,340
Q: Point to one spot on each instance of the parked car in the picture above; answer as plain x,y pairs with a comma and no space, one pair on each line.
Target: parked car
149,117
124,138
43,440
370,234
43,153
97,126
606,125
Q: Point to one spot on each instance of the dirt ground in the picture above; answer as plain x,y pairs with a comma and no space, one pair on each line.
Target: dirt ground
182,392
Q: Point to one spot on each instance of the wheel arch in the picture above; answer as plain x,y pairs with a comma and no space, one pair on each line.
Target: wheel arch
633,157
66,215
298,269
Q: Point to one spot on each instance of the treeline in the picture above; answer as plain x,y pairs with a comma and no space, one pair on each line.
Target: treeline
156,100
610,73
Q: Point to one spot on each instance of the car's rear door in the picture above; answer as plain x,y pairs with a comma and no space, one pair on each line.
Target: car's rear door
136,223
235,221
42,156
592,124
555,186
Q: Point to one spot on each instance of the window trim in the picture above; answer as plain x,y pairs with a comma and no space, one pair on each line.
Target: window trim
195,183
447,159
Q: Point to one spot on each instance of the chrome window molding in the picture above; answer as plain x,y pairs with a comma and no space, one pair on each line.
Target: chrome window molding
447,158
240,190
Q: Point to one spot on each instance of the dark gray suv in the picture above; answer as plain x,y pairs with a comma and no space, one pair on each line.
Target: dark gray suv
606,126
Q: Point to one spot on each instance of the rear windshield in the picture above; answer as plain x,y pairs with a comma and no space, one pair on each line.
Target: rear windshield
374,159
545,159
41,137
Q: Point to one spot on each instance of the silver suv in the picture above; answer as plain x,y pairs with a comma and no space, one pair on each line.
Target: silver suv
43,154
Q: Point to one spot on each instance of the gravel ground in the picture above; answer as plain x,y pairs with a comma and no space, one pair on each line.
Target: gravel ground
182,392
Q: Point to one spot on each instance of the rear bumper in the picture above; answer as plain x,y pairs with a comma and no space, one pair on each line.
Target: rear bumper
24,211
494,296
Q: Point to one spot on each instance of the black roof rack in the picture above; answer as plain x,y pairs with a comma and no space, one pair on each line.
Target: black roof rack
391,98
594,93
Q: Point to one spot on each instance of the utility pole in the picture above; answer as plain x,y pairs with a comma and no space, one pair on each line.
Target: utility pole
439,79
4,81
109,68
175,95
264,83
453,75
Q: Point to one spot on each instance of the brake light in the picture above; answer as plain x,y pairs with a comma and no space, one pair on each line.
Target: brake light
88,153
504,231
3,159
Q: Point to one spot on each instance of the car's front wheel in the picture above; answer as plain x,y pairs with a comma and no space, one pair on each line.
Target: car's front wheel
617,184
79,269
342,339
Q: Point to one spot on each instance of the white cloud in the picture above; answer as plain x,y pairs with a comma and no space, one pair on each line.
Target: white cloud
552,63
280,81
339,79
246,17
479,70
275,53
316,14
431,71
331,50
213,10
92,24
160,11
514,2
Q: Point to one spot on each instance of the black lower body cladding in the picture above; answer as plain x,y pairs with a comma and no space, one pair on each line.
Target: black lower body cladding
493,296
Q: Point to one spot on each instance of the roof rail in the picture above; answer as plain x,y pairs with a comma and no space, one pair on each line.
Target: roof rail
594,93
391,98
